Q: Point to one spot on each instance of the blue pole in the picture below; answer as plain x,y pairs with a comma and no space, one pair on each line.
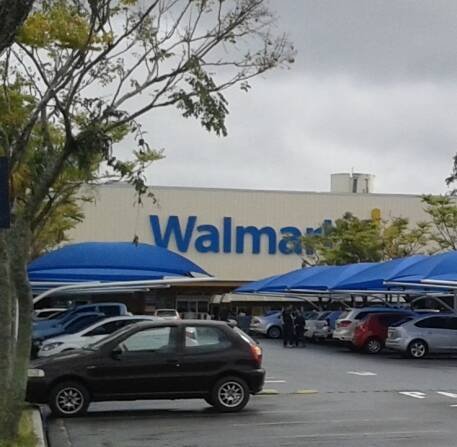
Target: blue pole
4,194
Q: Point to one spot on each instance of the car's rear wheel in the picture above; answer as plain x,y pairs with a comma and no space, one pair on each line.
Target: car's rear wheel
69,399
274,332
417,349
230,394
373,346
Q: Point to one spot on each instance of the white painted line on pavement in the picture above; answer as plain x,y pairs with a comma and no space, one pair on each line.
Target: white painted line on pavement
275,381
361,373
445,393
416,394
336,421
384,434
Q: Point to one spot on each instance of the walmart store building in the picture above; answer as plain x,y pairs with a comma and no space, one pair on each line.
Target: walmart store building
234,234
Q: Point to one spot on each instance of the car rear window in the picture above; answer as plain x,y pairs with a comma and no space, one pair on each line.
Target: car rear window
433,323
205,339
402,321
244,336
166,313
110,311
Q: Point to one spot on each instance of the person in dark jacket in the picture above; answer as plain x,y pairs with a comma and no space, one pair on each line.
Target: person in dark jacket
287,327
299,326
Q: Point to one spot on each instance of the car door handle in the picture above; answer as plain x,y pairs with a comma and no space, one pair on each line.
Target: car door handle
173,362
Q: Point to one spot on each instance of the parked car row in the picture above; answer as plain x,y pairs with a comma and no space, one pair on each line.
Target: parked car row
415,333
67,329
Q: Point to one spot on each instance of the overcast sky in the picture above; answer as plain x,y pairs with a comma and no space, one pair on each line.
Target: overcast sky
373,89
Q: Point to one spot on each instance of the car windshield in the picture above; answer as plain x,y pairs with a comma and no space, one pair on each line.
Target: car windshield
65,316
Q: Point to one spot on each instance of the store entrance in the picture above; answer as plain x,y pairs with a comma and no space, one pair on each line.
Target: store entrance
193,307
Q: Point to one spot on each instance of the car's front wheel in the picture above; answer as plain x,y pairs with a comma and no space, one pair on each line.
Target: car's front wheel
230,394
274,332
417,349
69,399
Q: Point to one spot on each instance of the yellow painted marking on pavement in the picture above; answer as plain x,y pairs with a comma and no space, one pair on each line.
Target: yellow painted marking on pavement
267,392
306,392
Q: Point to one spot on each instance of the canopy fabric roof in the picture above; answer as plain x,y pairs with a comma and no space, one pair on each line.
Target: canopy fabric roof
318,278
255,286
440,267
327,279
373,277
111,261
361,277
288,280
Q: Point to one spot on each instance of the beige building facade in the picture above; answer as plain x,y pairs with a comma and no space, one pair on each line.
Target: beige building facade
234,234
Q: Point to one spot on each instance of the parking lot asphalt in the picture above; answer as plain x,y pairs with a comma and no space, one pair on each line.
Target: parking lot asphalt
321,395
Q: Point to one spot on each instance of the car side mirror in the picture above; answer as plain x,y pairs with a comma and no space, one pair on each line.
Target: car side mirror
116,352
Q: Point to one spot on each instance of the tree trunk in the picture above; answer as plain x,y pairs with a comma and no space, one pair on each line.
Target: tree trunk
15,338
12,15
19,246
7,341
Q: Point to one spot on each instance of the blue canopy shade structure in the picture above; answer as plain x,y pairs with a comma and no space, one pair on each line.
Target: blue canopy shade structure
285,282
441,267
312,279
372,279
327,279
279,283
111,261
256,286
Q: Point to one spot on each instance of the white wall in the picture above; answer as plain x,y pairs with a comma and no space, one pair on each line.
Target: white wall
114,217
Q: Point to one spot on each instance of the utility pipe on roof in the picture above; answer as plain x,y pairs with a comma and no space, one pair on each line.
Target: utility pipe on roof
102,285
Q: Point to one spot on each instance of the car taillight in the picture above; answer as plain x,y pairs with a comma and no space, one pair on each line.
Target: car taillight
256,352
344,323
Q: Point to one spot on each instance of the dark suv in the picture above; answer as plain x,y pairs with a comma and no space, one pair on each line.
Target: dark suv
161,360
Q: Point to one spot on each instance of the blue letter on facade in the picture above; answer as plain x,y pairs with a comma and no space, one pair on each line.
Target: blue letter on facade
256,234
173,229
207,242
291,241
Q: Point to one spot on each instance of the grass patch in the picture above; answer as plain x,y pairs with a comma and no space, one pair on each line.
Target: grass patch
26,437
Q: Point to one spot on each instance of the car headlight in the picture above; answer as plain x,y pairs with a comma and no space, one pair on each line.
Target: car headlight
35,372
51,346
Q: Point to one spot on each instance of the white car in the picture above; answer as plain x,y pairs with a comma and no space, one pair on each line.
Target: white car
89,335
167,314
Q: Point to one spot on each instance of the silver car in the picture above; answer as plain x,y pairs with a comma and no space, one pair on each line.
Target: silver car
429,334
269,325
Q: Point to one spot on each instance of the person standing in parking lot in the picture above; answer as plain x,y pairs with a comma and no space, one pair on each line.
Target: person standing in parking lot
287,327
299,323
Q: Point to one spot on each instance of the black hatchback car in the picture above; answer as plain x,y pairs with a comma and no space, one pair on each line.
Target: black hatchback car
176,359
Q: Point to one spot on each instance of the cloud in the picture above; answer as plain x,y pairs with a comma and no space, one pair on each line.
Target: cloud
374,89
377,39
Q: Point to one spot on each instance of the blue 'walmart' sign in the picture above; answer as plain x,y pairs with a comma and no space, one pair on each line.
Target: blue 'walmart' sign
228,238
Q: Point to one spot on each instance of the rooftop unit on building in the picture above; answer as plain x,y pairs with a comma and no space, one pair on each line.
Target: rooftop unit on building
356,183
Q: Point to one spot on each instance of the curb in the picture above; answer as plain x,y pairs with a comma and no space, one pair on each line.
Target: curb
38,427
